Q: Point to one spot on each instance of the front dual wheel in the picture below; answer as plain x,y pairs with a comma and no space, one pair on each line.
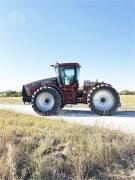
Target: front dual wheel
46,101
103,100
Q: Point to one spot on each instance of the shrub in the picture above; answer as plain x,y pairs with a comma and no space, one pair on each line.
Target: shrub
127,92
10,93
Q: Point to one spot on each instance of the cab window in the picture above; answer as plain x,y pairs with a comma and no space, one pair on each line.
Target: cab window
67,75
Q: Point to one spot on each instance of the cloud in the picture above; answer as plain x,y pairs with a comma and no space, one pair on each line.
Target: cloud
17,17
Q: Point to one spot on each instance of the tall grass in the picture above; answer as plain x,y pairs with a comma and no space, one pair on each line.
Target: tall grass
40,148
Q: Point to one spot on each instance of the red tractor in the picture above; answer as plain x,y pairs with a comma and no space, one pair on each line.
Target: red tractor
49,96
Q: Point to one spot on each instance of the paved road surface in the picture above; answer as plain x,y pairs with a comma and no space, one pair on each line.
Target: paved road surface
122,120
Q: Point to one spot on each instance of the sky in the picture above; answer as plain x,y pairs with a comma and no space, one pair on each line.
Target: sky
100,35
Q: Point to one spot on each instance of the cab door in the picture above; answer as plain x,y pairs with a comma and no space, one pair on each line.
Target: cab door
69,84
70,93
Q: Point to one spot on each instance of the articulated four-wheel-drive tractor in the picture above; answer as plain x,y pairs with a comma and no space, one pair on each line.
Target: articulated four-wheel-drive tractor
49,96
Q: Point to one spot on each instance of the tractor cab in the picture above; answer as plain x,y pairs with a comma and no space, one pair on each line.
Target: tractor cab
68,80
67,73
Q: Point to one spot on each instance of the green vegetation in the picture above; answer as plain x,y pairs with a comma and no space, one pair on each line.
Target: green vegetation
127,92
39,148
10,94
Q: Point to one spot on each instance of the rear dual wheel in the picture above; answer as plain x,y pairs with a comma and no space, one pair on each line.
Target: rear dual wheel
46,101
103,99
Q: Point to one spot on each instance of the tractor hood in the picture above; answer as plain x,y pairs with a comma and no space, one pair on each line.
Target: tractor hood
33,86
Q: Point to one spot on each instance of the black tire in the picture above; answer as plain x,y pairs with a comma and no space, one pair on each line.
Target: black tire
102,109
62,106
55,97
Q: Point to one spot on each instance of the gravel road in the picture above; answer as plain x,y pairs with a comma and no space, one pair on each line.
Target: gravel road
122,120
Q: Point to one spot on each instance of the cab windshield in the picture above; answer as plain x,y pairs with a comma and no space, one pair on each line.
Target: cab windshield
67,75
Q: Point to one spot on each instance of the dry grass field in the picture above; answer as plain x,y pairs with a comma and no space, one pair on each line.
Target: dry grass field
11,100
36,148
128,101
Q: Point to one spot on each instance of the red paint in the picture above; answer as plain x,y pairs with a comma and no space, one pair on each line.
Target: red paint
69,93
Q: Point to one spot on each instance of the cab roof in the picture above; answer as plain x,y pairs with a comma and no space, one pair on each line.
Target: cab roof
66,65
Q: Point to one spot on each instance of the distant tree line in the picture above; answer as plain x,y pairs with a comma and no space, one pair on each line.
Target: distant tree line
10,93
127,92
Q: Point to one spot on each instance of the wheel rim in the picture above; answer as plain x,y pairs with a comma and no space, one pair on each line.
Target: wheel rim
103,100
45,101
